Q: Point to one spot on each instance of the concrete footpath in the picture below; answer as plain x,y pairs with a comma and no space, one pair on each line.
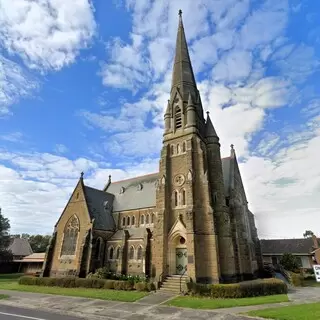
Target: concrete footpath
149,307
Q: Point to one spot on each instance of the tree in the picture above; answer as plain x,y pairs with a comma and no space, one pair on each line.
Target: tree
289,262
5,255
308,234
39,242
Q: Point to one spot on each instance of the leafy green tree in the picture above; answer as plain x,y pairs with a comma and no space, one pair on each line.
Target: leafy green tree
289,262
39,242
308,234
5,255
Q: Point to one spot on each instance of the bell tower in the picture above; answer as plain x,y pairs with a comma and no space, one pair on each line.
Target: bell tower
185,238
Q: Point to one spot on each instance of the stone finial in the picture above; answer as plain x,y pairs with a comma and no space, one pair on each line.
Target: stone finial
109,177
81,175
232,146
180,13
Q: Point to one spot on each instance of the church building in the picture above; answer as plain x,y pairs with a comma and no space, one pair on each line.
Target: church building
191,218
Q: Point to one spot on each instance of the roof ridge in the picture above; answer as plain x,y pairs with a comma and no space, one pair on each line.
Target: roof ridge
145,175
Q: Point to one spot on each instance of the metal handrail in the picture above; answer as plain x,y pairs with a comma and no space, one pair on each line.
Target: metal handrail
181,278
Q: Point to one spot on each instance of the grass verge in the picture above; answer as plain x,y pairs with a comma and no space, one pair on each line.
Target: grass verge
3,296
296,312
10,283
207,303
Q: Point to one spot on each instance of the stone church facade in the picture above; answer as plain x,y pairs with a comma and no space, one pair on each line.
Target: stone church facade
190,218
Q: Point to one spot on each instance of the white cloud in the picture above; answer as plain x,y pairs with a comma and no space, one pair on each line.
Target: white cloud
35,187
15,83
12,137
284,189
46,34
234,66
61,148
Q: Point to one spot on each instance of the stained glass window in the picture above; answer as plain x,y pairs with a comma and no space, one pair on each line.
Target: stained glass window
139,253
131,253
70,237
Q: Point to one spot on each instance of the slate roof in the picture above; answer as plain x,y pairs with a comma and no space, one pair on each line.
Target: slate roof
132,198
100,208
280,246
118,235
20,247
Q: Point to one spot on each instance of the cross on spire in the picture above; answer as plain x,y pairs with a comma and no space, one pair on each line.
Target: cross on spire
180,13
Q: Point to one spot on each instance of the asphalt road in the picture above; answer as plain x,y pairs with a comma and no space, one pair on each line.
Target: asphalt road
13,313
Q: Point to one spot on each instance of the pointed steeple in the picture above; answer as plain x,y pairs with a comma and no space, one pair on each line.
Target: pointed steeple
183,76
210,131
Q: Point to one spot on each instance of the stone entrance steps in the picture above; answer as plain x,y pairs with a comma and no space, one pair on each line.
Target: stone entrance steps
172,283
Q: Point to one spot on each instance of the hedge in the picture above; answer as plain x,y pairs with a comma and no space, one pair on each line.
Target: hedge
72,282
296,279
263,287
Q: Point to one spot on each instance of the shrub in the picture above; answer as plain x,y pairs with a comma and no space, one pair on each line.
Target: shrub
289,262
145,286
109,284
72,282
296,279
27,280
239,290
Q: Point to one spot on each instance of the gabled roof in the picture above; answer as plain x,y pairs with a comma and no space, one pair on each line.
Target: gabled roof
100,208
135,193
281,246
20,247
34,257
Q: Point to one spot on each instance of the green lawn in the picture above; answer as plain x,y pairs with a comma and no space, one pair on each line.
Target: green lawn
207,303
9,282
297,312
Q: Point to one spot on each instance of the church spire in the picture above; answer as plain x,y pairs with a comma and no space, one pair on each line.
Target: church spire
183,77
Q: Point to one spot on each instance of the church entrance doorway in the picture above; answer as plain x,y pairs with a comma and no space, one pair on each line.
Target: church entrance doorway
181,260
177,255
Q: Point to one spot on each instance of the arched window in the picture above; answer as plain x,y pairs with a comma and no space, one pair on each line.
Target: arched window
98,249
183,197
139,253
118,253
172,149
142,219
133,220
147,218
111,253
128,221
178,118
175,198
131,253
70,236
178,149
123,221
152,218
184,147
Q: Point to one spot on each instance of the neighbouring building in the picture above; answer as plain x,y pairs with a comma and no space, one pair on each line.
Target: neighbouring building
306,250
31,264
191,217
19,248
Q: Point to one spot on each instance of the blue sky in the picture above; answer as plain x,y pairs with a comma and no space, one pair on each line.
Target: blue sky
83,87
